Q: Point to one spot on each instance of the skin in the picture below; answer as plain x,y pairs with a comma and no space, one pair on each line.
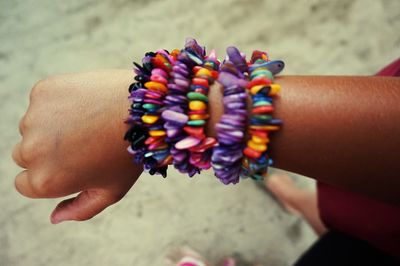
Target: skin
339,130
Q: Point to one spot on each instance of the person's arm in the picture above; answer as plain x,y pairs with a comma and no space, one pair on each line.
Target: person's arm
344,131
338,130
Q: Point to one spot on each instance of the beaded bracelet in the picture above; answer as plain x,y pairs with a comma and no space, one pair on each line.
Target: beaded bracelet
204,76
256,160
146,134
186,132
226,158
175,113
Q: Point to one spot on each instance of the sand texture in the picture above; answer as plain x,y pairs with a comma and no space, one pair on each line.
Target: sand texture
42,38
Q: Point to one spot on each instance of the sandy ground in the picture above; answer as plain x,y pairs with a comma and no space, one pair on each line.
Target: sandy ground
42,38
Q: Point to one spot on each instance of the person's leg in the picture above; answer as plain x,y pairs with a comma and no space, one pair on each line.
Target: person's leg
296,200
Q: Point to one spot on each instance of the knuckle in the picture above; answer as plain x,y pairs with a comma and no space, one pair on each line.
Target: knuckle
41,87
31,149
41,185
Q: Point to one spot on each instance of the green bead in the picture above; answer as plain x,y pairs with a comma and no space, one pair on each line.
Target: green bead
197,96
150,106
263,117
196,122
257,177
261,72
261,103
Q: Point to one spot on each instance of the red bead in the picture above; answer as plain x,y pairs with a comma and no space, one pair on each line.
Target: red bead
151,140
262,109
259,133
197,132
214,74
204,145
197,112
258,81
249,152
196,68
200,81
200,90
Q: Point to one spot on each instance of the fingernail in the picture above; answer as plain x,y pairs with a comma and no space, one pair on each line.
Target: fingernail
56,220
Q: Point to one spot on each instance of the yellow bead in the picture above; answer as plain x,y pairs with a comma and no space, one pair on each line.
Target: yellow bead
157,133
203,72
267,128
197,105
155,86
256,146
275,89
255,89
259,140
150,119
199,117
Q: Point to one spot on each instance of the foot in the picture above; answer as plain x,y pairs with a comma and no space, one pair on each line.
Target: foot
284,189
296,200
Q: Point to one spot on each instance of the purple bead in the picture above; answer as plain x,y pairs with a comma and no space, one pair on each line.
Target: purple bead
176,98
174,117
222,127
235,105
180,70
233,90
239,117
152,101
239,97
238,112
169,125
177,87
178,76
176,108
182,83
236,58
172,133
228,79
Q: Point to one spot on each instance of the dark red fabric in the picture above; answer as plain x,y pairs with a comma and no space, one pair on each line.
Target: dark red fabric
365,218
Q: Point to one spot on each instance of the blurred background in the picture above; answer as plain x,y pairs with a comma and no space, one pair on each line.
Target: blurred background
42,38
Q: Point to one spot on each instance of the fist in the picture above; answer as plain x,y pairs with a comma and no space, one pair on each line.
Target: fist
72,141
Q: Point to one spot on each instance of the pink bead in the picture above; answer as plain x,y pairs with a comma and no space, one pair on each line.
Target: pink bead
187,143
160,72
159,78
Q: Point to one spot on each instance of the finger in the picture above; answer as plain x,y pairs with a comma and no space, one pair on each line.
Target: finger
16,156
83,207
32,185
24,186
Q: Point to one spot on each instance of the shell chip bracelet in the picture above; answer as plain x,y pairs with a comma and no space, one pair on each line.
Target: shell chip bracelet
256,161
147,134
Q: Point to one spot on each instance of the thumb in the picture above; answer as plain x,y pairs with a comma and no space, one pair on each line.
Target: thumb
84,206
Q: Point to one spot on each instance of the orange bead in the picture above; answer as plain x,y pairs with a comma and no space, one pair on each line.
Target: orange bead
199,116
155,86
249,152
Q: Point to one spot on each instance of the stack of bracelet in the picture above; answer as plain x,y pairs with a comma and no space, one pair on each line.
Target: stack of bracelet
226,158
169,112
147,135
256,161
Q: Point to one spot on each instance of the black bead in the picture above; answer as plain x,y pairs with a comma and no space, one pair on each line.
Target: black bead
140,78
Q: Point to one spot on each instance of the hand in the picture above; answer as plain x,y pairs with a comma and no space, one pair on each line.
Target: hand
73,142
